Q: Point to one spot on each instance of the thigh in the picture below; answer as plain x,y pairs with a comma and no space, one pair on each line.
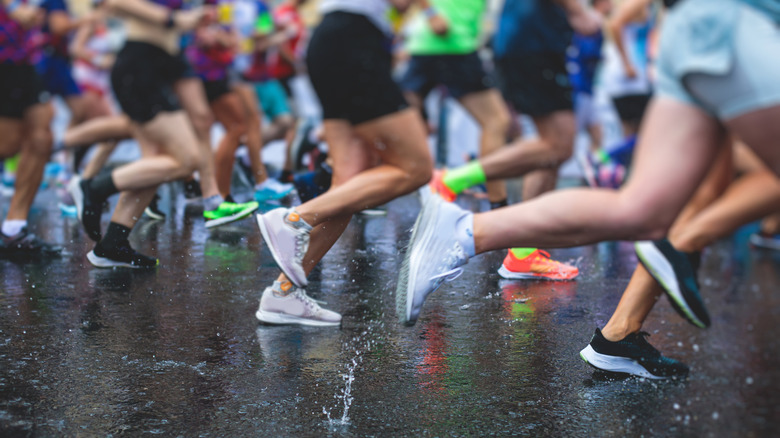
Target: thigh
485,105
670,164
229,109
399,139
348,153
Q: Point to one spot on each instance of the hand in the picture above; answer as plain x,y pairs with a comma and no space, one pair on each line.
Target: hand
29,16
438,24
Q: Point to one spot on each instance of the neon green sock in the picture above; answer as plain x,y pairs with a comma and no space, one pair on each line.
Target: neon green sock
602,156
522,253
11,164
465,176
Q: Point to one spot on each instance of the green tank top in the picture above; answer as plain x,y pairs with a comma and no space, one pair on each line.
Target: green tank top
465,24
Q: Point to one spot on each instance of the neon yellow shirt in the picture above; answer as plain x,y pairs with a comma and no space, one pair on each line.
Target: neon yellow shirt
464,18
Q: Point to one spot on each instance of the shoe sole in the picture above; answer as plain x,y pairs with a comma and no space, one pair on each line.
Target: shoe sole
663,272
509,275
102,262
74,188
764,242
232,218
282,319
404,295
277,257
616,364
150,213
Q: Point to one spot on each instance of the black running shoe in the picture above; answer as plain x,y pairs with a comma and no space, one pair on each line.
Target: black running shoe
632,355
88,208
26,245
122,256
192,190
153,210
673,270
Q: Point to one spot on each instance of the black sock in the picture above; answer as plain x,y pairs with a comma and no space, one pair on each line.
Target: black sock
102,186
116,235
498,204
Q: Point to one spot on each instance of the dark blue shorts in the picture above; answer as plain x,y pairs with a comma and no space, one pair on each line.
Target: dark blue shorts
461,74
55,71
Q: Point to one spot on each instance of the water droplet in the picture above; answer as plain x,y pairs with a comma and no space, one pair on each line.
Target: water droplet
676,406
749,380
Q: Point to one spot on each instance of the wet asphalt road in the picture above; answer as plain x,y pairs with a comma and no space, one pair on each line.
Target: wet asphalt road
177,351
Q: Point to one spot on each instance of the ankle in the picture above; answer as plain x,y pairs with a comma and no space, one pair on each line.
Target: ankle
282,288
615,331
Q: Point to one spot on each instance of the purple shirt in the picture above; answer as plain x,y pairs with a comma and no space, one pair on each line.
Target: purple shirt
17,44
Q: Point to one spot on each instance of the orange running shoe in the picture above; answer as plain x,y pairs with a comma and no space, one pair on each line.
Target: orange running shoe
537,265
438,186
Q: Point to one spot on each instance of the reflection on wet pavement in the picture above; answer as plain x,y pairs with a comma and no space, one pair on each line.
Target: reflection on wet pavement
177,351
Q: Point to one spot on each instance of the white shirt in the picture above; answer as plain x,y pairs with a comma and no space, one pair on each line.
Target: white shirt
375,10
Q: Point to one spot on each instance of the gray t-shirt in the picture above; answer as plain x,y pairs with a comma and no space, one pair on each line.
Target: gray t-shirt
375,10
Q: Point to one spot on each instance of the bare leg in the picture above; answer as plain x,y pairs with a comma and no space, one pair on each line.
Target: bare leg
543,154
229,110
492,115
669,165
350,156
180,157
99,159
131,203
97,130
193,98
36,148
643,291
399,139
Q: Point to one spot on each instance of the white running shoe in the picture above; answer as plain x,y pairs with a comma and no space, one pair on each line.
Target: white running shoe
434,256
295,308
287,236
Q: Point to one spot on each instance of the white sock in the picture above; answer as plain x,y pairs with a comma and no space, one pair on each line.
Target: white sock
12,227
464,233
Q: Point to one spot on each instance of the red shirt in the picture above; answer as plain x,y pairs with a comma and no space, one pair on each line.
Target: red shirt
286,17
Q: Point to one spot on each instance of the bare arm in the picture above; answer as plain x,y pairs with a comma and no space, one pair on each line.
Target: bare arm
402,5
582,19
159,15
78,47
628,12
26,15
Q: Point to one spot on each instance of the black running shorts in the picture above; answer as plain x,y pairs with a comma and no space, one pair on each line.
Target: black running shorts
536,85
350,63
461,74
216,89
143,78
20,88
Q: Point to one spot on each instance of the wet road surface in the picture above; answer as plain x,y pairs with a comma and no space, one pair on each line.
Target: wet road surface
177,351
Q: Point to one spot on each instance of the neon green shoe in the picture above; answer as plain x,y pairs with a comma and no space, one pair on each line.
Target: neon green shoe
228,212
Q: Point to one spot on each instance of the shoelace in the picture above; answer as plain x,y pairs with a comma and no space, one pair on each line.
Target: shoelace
309,301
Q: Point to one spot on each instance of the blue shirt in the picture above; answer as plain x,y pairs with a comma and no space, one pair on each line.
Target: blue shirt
582,60
531,27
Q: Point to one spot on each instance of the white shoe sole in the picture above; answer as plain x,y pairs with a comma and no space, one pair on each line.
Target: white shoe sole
765,242
227,219
615,364
300,282
102,262
78,196
283,319
509,275
151,214
658,265
412,262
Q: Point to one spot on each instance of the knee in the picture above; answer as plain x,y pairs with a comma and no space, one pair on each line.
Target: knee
641,223
41,142
202,122
498,124
420,172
